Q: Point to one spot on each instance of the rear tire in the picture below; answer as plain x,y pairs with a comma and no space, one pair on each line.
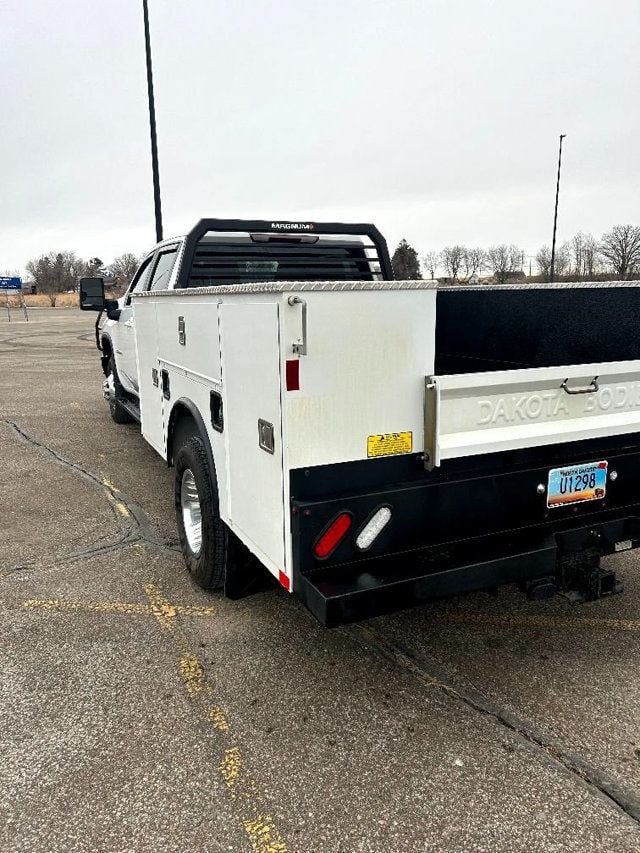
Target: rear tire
119,415
204,537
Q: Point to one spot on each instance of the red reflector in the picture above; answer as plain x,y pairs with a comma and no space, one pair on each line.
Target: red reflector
293,374
284,579
332,535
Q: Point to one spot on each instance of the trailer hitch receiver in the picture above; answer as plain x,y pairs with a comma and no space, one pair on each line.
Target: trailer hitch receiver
580,576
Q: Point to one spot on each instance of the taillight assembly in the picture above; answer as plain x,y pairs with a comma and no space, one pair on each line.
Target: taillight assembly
332,536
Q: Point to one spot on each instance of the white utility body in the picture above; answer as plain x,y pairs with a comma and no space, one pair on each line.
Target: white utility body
365,343
351,435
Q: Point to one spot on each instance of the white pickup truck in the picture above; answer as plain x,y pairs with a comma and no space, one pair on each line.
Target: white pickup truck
377,443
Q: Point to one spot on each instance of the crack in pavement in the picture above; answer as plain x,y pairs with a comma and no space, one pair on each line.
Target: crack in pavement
433,675
127,512
93,550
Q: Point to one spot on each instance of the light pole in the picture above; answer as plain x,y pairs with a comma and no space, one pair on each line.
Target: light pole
152,125
555,215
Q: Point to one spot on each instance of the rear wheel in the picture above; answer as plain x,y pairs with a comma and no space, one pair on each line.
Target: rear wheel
204,537
113,393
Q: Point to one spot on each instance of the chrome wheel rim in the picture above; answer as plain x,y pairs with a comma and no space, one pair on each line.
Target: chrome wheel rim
191,511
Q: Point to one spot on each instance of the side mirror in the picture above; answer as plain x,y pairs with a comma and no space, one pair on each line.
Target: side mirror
92,294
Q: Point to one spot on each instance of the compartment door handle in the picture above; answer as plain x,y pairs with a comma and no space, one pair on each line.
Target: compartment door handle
300,348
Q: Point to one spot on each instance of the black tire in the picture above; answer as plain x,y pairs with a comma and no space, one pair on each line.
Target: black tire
119,415
207,567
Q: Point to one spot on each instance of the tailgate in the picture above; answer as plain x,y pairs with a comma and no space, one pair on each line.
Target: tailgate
472,413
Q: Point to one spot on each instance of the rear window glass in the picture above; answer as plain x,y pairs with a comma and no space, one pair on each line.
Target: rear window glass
238,263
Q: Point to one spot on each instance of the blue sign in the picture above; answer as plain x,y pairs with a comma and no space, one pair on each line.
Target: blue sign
13,283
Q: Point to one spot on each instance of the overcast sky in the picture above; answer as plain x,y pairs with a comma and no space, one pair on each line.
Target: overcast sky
437,120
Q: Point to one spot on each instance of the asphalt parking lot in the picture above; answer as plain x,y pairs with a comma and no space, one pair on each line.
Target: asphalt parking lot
139,713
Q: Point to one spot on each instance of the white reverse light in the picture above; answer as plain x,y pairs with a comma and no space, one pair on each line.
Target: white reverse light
373,528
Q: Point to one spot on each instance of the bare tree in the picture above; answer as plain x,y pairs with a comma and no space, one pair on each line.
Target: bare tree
543,262
562,264
577,245
430,262
474,261
562,261
590,257
584,255
504,261
56,272
452,258
621,247
123,268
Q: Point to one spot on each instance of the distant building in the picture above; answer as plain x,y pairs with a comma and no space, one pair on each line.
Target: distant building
516,275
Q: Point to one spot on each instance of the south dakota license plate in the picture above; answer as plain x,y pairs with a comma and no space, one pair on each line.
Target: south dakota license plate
577,483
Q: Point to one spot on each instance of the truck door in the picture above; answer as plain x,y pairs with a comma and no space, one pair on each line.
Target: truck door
125,345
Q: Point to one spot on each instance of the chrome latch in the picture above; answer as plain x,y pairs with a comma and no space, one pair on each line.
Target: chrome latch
431,425
182,335
300,347
266,436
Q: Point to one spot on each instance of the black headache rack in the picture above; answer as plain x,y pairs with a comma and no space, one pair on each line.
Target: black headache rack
281,250
457,530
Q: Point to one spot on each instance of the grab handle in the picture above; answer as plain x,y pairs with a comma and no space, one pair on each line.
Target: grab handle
591,388
300,348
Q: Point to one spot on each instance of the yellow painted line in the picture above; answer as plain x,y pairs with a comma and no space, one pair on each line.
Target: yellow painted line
263,835
550,621
121,509
110,486
218,719
194,610
192,674
231,766
260,827
91,606
167,612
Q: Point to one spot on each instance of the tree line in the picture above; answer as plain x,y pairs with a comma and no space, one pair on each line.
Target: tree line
615,255
58,272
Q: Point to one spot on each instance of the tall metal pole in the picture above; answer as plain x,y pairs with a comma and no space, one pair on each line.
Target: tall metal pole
555,215
152,125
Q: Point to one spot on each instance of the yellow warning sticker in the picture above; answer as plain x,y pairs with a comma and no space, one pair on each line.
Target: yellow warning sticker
390,444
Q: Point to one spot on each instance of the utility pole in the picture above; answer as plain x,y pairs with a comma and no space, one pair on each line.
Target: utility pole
152,125
555,215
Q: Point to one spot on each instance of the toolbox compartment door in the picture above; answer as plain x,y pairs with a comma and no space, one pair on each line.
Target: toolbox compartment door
474,413
252,415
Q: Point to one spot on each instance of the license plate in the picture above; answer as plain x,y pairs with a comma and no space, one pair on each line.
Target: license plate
577,483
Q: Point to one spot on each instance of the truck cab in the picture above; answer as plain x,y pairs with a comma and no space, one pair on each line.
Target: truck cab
117,335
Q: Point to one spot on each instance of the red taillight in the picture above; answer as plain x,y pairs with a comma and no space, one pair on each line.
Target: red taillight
332,535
